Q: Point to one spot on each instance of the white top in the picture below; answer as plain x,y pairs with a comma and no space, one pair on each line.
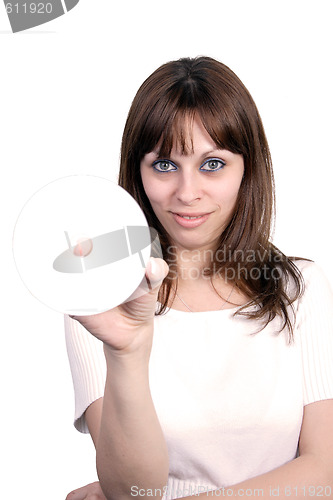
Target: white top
230,403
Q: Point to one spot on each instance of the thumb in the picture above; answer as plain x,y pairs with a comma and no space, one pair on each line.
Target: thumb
156,270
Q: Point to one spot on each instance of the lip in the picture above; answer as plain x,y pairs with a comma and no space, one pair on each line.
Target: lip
190,214
190,223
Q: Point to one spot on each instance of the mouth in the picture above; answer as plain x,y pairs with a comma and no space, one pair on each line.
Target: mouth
190,215
190,219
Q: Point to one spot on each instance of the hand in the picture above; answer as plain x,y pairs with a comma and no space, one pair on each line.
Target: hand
92,491
124,328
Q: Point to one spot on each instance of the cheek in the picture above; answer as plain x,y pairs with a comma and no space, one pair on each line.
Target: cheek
226,195
152,191
147,184
156,190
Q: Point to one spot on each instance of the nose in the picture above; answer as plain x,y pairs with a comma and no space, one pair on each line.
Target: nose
189,188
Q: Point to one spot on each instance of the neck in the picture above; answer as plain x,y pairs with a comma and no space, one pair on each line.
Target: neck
192,264
199,291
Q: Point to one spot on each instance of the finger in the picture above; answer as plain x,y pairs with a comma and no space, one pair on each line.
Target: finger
79,494
81,319
91,491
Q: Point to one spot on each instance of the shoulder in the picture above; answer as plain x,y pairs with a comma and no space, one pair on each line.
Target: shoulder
315,305
305,266
313,275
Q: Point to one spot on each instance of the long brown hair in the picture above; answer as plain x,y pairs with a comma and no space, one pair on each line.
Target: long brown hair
210,90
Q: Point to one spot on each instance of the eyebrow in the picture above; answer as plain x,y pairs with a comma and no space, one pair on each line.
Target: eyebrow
208,153
204,155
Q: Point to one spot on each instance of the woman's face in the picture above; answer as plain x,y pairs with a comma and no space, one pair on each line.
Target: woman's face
193,195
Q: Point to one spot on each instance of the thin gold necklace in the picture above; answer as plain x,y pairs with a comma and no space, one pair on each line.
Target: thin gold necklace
224,303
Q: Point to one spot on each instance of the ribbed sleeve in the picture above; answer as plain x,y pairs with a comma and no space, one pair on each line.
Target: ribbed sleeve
88,367
315,333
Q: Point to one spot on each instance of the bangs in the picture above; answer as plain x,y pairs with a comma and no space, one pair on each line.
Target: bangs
176,131
178,134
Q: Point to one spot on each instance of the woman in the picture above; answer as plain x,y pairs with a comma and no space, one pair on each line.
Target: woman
226,387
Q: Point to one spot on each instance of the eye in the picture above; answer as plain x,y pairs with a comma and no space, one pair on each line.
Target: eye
212,165
164,166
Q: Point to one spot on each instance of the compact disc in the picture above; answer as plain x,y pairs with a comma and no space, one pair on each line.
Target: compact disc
81,245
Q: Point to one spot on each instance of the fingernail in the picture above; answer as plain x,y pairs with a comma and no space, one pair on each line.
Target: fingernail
153,265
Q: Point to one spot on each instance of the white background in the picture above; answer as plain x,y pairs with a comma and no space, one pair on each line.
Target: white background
65,90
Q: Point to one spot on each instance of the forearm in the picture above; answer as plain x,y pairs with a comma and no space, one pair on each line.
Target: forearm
93,416
304,477
131,447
